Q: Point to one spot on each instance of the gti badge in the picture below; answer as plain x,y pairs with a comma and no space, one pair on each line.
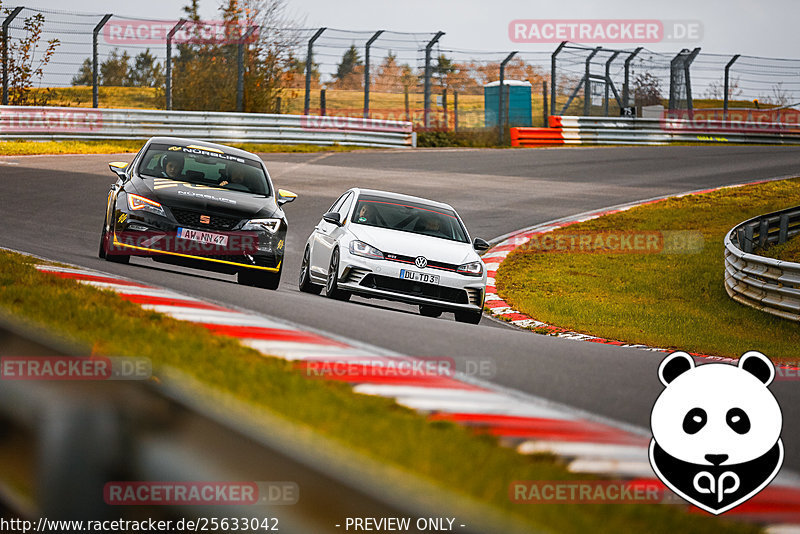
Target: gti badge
421,262
716,430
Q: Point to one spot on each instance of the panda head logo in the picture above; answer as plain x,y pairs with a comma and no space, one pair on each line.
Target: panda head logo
716,430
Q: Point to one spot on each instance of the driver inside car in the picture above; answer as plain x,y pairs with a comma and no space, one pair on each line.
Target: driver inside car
235,175
173,166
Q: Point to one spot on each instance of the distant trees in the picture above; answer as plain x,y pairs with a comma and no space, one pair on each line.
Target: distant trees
350,71
117,70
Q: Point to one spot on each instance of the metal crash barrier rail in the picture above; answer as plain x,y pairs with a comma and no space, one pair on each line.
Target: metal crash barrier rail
570,130
767,284
54,123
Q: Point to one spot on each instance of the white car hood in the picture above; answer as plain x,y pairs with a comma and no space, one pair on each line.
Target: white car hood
409,244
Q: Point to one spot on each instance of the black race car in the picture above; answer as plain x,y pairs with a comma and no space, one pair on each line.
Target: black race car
199,205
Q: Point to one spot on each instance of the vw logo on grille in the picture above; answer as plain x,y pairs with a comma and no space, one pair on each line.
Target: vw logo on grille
421,262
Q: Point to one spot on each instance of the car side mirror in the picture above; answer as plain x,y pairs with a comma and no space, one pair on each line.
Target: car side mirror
480,245
332,217
118,168
285,196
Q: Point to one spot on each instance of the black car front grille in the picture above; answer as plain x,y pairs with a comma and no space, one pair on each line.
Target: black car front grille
417,289
192,219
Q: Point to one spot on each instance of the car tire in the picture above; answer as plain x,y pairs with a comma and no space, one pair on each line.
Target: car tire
430,311
258,278
304,282
102,252
332,287
471,317
104,246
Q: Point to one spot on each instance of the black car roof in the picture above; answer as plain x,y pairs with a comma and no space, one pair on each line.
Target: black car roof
183,141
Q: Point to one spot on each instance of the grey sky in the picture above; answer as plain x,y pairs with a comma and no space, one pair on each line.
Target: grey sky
765,28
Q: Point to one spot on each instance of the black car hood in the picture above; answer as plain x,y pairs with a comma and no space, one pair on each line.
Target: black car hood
204,198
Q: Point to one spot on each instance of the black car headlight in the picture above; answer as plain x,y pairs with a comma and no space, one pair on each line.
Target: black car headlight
359,248
136,203
262,225
474,268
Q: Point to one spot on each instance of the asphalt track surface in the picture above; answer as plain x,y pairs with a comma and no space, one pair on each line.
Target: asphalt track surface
54,205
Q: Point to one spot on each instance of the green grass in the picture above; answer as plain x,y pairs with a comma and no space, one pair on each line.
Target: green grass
444,453
664,300
789,251
27,148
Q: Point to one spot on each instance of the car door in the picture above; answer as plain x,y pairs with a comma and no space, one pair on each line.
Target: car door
320,253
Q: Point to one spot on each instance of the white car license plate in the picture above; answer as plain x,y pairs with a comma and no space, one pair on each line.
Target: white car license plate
419,277
203,237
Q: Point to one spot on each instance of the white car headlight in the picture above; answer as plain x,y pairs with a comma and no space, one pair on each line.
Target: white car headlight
359,248
270,225
136,202
474,268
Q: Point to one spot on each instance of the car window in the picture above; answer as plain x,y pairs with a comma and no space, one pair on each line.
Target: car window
344,209
197,165
335,206
409,217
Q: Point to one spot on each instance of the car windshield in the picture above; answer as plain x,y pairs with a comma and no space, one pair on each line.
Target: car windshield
410,217
200,165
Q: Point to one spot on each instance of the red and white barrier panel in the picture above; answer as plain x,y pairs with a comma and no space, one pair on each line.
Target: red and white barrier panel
529,424
672,127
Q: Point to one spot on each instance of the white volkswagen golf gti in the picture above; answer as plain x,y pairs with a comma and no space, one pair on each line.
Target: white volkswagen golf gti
397,247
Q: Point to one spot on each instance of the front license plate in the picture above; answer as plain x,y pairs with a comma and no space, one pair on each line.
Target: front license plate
203,237
419,277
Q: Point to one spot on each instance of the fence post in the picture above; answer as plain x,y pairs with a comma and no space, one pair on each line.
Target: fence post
455,111
95,89
608,80
6,23
553,75
309,59
366,71
427,90
727,86
323,103
444,107
278,105
544,104
587,88
501,104
686,64
240,68
783,228
170,35
627,84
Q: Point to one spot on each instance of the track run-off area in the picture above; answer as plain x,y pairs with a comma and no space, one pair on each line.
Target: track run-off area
53,206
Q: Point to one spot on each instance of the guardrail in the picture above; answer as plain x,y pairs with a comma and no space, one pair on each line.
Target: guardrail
54,123
767,284
572,130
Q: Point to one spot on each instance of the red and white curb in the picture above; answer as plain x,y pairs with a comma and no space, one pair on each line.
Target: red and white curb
531,425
